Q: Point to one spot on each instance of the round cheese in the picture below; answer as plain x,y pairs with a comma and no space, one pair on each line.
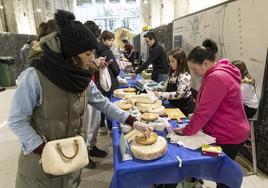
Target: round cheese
125,106
130,89
120,93
149,152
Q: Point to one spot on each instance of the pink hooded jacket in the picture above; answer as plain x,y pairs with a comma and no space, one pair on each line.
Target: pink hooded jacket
219,108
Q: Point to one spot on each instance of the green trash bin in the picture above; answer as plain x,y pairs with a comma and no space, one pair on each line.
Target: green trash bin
7,71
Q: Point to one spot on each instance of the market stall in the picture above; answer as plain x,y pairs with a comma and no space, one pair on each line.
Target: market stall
174,164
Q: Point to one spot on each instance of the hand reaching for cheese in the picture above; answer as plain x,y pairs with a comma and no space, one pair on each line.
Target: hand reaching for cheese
143,127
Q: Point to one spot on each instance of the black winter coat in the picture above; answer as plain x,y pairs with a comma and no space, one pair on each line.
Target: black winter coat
158,58
113,68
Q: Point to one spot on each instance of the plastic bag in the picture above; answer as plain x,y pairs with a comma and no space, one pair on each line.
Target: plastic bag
105,79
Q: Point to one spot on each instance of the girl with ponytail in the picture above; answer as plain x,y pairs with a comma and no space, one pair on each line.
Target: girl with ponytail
248,88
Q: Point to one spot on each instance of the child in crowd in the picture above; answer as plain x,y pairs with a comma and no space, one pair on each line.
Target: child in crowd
128,50
178,90
104,50
248,89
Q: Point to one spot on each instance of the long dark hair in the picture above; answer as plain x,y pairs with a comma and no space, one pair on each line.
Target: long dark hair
180,56
241,65
207,51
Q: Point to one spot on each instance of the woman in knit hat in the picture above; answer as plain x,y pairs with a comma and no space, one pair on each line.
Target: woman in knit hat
50,100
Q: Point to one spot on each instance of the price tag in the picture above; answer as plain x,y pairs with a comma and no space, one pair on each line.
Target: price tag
124,149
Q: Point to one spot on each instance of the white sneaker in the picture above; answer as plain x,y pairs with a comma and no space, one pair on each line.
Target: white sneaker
103,130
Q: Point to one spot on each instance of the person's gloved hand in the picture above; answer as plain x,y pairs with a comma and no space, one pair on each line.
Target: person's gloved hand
143,127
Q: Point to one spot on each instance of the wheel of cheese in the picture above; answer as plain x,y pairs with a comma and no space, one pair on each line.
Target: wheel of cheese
149,152
130,89
119,93
125,106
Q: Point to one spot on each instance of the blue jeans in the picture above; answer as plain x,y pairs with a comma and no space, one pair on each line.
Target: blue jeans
162,77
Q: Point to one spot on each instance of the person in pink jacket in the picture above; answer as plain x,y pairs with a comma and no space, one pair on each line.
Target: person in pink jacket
219,108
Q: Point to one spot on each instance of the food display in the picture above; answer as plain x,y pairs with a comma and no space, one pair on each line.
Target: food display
142,140
155,107
120,93
174,113
148,116
132,135
136,114
159,125
125,106
149,152
146,98
129,89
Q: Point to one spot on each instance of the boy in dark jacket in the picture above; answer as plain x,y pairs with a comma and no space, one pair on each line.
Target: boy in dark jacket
104,50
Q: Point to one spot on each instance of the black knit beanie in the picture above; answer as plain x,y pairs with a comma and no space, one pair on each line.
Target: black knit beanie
75,38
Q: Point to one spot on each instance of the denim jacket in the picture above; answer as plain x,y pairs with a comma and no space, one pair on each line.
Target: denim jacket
28,95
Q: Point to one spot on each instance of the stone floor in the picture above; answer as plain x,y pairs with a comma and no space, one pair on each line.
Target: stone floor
98,178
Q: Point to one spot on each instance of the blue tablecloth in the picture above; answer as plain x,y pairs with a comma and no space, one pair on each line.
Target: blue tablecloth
141,174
